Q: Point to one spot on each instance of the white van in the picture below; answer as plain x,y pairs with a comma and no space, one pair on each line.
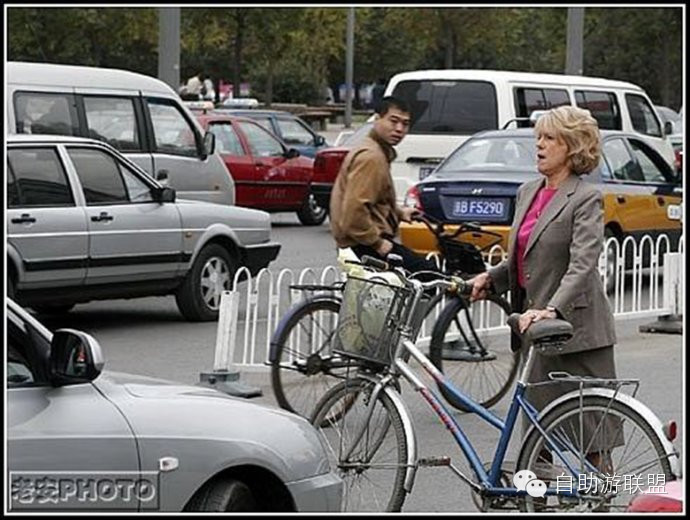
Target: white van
448,106
140,116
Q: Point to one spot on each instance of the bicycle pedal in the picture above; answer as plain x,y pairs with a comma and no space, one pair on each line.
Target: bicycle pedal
434,461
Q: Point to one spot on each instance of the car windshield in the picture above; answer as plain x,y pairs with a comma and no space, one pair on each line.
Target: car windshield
504,153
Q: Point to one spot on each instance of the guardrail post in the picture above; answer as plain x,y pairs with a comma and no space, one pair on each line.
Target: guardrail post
223,378
670,323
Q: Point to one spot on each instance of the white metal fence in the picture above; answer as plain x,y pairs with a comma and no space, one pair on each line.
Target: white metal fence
648,281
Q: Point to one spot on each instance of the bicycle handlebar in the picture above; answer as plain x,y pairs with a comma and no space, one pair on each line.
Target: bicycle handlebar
449,283
436,226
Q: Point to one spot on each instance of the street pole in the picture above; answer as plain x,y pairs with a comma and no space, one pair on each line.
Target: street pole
169,46
349,65
573,57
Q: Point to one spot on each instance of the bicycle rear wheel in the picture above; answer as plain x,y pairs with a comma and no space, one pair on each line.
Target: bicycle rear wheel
368,447
472,349
303,366
619,443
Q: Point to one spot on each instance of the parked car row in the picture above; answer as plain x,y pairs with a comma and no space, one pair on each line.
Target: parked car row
267,174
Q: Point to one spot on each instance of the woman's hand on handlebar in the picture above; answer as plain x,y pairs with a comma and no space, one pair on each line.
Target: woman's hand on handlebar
481,285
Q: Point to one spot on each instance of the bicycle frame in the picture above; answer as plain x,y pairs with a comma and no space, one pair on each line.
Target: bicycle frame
489,479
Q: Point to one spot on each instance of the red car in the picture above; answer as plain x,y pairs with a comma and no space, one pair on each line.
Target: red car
327,164
667,499
268,175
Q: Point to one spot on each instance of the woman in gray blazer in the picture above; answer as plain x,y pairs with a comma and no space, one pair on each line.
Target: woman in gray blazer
553,251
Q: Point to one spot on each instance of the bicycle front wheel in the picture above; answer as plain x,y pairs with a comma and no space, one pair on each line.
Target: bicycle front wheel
471,346
303,366
366,443
613,448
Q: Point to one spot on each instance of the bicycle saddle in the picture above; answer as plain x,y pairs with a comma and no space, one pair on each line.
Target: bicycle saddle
544,334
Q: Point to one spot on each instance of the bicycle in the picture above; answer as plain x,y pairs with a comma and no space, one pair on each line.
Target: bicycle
303,365
596,432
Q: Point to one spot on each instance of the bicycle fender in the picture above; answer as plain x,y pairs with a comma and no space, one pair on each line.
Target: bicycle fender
283,321
631,402
408,428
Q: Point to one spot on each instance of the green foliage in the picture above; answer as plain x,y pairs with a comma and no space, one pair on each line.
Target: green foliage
293,53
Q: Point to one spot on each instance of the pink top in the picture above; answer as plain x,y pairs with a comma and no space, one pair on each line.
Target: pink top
541,200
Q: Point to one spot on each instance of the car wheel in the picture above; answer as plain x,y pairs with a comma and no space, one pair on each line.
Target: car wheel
213,271
222,496
311,214
53,309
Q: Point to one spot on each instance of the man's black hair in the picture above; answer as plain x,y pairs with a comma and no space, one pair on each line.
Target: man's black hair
389,102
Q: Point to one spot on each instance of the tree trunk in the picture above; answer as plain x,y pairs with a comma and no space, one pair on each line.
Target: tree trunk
269,82
240,18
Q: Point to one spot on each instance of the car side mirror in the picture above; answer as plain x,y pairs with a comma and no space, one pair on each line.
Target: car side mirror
291,153
668,128
319,140
75,357
209,145
163,194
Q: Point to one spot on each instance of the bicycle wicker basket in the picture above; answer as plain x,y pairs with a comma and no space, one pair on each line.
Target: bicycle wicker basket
369,317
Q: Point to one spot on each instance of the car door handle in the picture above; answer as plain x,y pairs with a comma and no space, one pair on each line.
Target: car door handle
103,217
162,175
620,199
24,219
661,201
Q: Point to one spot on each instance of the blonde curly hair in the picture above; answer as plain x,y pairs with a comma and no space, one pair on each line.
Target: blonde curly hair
579,131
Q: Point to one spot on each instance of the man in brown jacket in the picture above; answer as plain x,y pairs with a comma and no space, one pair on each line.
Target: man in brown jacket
363,212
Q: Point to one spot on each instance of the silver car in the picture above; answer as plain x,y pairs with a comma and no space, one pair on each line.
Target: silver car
85,223
79,439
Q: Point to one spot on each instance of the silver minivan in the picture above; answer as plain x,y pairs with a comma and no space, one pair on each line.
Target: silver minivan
139,115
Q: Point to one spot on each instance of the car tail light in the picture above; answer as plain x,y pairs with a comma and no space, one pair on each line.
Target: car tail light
653,503
412,199
670,430
679,160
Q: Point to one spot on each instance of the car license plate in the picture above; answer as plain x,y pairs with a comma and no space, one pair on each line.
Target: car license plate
425,171
478,208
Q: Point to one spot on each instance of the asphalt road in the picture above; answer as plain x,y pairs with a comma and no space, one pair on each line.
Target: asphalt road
148,336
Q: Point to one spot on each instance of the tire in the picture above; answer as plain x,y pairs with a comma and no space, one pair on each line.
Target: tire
638,451
484,367
53,309
222,496
311,214
301,369
374,472
198,298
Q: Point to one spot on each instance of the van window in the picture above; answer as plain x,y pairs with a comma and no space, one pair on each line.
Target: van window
642,116
449,107
527,100
602,105
37,178
41,113
113,120
173,134
99,175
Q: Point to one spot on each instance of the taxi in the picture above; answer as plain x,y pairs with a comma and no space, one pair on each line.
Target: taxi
478,182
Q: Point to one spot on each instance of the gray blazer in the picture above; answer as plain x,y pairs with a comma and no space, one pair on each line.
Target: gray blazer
561,261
